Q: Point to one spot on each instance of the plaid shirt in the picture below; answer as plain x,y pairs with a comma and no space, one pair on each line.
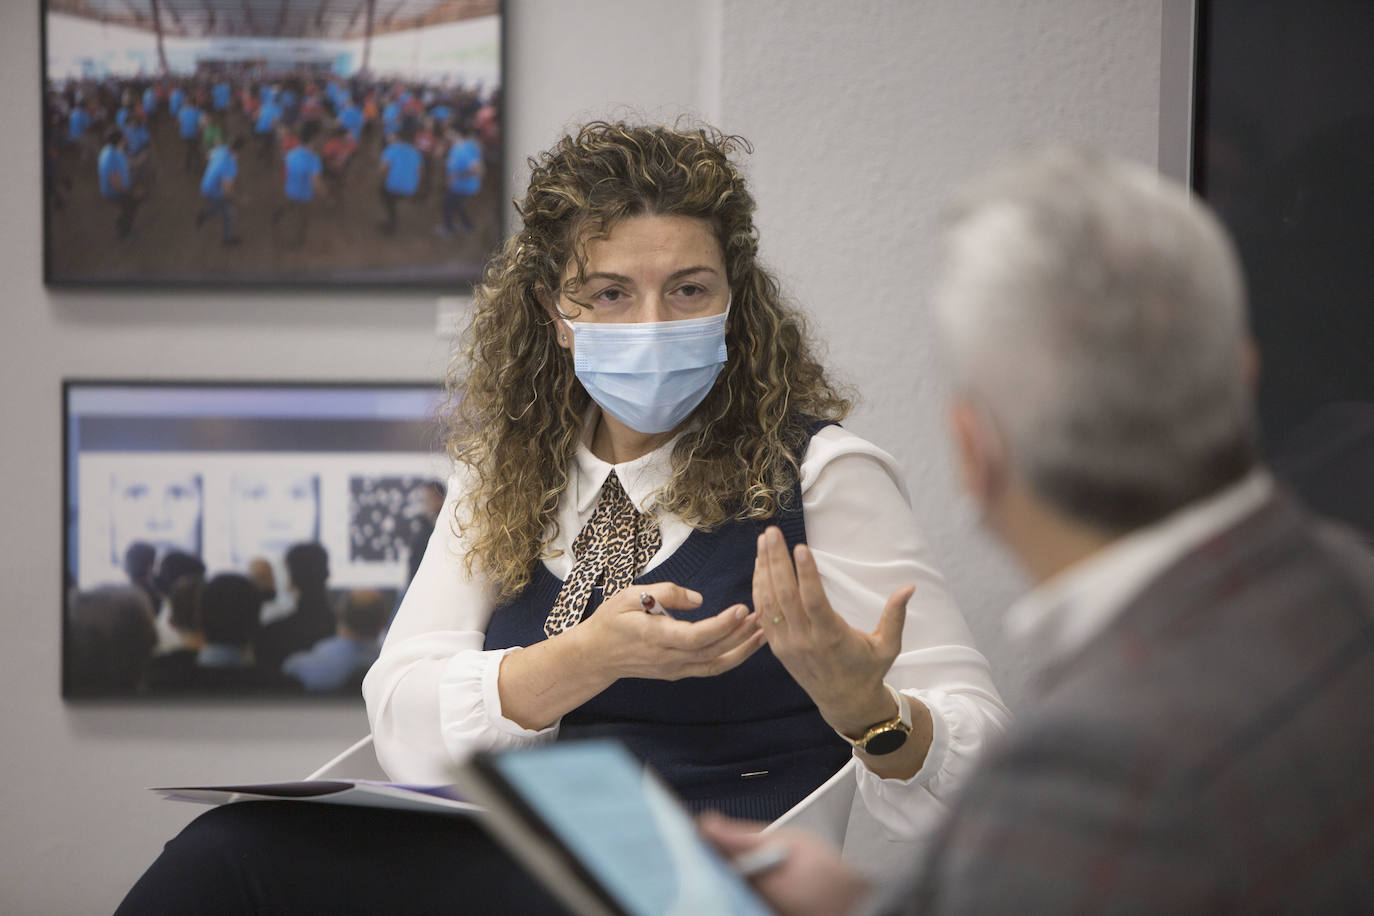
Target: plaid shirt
1210,750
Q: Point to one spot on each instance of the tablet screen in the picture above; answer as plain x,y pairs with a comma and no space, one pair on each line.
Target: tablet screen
627,829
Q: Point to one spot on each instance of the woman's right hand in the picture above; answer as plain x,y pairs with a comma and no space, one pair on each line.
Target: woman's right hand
544,681
627,642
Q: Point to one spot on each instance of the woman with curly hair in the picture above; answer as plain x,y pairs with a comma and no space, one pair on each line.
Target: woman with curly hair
628,346
638,424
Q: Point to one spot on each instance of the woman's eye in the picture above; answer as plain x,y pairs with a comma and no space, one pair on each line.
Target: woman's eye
610,295
691,289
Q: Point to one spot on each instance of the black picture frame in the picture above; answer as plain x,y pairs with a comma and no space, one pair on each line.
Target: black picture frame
321,459
177,236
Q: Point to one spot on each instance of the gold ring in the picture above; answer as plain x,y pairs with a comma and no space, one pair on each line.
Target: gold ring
775,621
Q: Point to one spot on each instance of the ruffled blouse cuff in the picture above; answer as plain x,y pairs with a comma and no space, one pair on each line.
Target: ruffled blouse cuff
470,706
904,806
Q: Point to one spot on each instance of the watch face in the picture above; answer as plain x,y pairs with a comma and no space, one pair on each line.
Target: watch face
885,742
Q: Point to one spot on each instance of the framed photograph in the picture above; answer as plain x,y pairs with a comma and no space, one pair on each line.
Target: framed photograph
291,143
217,531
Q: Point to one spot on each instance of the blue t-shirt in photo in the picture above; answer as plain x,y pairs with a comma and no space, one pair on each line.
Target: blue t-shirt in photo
149,102
441,113
113,162
221,95
175,101
352,118
223,166
464,155
268,115
189,118
79,123
135,139
391,117
403,168
302,165
121,118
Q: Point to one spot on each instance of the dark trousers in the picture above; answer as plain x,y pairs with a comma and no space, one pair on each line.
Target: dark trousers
453,203
222,207
301,857
389,199
124,220
191,157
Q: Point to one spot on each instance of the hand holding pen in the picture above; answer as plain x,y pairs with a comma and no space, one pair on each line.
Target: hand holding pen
650,606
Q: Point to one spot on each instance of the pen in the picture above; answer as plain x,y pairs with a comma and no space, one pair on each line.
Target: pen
757,861
650,606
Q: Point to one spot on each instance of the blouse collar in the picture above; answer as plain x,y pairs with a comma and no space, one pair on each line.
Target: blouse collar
641,477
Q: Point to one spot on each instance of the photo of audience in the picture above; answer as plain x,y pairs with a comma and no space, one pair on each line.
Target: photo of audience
353,157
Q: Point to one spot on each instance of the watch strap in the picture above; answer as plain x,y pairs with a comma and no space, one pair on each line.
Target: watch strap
900,722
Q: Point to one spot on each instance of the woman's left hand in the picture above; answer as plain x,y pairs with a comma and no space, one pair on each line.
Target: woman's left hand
841,668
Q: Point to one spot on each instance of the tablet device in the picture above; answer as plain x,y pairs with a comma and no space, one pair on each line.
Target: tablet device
603,832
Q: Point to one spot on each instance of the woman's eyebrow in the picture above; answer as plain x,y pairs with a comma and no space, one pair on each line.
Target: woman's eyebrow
603,275
677,274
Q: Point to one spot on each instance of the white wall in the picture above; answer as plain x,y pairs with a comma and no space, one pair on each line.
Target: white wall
862,115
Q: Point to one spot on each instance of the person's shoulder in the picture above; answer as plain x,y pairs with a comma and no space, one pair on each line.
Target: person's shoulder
831,441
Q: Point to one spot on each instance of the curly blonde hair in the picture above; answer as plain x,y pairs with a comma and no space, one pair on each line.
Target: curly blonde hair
516,406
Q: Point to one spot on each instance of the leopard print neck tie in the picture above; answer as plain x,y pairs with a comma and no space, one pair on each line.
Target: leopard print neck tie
617,542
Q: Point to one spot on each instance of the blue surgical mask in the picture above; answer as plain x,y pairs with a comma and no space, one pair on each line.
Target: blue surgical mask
649,376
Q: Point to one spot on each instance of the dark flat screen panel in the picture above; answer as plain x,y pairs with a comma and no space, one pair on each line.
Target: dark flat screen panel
1284,150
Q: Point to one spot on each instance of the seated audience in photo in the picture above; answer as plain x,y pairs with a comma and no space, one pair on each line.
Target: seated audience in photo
341,660
139,560
434,492
1199,739
171,667
174,565
110,636
261,572
229,608
307,566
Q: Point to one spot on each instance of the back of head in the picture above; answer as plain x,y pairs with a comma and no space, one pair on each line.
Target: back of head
308,566
229,607
184,603
365,613
138,560
174,565
1096,313
110,636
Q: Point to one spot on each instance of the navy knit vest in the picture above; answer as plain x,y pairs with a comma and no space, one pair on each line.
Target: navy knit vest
750,742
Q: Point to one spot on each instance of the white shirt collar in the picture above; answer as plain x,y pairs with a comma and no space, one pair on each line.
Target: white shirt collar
642,477
1060,615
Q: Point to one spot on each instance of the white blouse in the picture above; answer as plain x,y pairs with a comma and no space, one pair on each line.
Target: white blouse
432,695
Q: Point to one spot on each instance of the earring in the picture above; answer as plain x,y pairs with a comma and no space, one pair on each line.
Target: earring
563,338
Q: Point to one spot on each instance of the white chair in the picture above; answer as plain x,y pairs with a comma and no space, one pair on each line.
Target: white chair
358,761
825,811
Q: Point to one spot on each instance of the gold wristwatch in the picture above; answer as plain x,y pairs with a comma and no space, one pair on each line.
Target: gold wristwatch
887,736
